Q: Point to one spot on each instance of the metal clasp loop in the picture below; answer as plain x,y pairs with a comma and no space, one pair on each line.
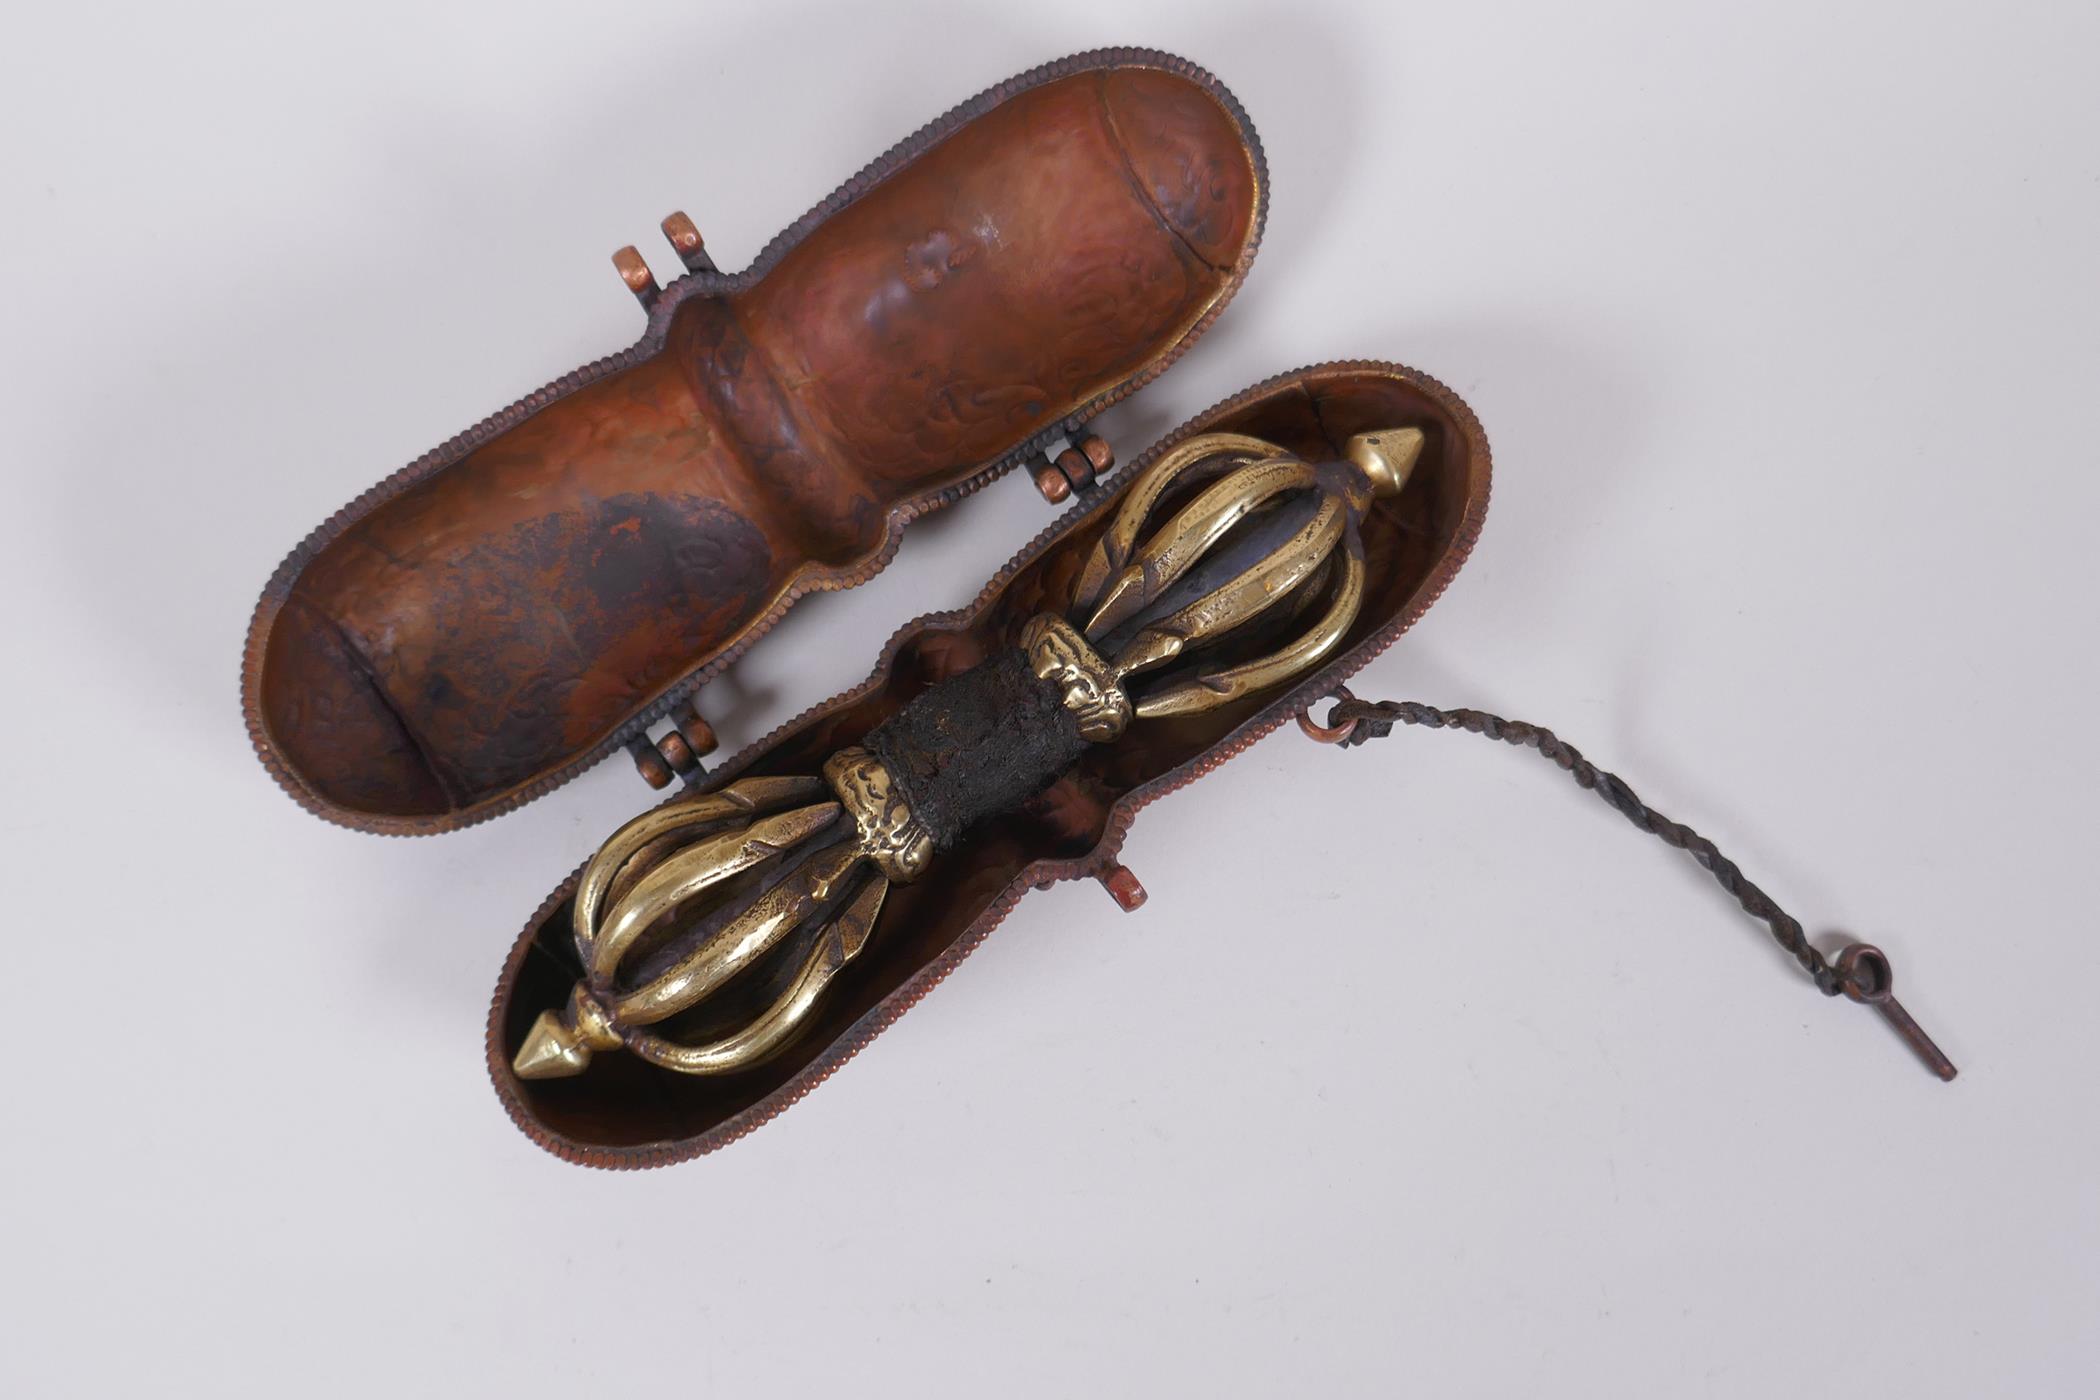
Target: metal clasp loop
1325,733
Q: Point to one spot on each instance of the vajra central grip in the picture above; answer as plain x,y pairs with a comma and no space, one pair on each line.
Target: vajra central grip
777,883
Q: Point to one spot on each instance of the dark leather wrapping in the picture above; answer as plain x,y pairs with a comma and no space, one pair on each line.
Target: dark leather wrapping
977,744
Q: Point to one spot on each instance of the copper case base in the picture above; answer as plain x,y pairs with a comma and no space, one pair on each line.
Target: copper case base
624,1114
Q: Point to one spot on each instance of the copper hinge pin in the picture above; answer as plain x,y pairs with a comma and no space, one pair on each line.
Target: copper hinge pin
684,237
636,274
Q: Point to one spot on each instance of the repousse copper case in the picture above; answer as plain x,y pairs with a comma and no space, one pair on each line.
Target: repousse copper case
529,597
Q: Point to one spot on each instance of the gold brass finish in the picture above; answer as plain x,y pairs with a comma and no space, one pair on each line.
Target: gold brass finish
1086,684
1241,599
799,868
746,799
767,920
1124,580
839,942
560,1045
1218,687
889,834
1386,458
1120,542
1191,534
704,863
682,851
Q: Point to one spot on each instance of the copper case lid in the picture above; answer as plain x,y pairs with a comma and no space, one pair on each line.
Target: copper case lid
520,602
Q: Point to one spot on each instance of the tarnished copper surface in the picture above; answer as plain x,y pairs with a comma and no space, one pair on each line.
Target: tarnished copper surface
1868,978
1099,455
1050,479
1077,467
636,274
1314,730
697,731
626,1113
677,752
527,598
1123,887
650,762
684,237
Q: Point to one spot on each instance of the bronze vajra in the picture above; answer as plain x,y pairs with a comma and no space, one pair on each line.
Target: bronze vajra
1230,568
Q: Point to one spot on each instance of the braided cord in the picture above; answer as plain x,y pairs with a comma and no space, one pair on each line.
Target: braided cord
1364,720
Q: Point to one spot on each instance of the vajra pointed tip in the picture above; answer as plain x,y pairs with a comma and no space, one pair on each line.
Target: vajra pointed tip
552,1050
1387,457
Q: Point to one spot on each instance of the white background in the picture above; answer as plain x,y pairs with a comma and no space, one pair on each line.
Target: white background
1784,321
